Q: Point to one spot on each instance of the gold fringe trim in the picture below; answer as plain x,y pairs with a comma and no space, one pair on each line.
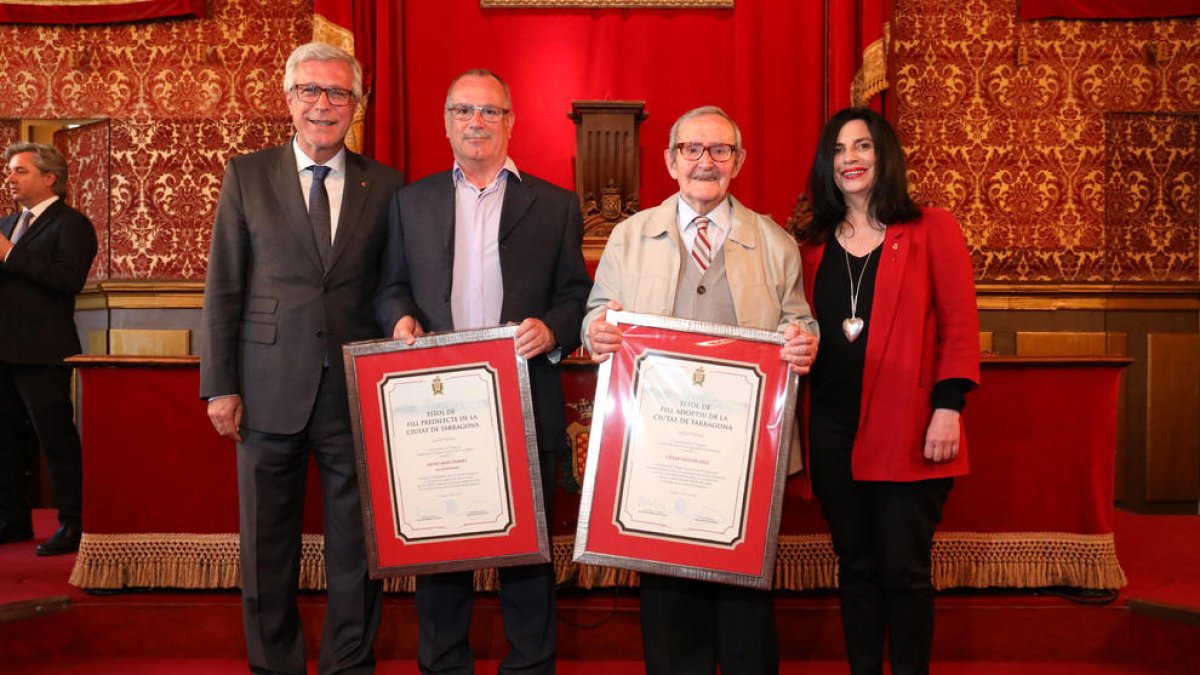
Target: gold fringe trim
871,79
807,561
177,560
339,36
1026,560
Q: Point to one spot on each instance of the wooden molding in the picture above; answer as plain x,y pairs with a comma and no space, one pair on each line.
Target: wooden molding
1098,296
137,294
113,360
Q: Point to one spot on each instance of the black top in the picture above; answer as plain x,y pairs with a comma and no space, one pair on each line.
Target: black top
837,375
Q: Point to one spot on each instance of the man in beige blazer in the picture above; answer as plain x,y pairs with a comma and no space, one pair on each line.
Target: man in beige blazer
702,255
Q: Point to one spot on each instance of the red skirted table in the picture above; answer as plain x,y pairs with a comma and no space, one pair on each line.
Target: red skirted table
160,488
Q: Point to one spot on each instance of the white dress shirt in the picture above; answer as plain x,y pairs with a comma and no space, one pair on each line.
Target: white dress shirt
335,182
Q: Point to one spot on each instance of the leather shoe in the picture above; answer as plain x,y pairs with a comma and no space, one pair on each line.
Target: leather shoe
10,533
64,540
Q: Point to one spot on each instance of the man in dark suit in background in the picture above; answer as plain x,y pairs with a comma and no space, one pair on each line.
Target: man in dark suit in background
294,263
45,254
483,245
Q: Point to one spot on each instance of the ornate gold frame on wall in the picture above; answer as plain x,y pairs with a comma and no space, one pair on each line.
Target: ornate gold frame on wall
609,4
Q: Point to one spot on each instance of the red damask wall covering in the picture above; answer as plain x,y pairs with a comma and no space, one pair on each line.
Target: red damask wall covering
182,96
1069,150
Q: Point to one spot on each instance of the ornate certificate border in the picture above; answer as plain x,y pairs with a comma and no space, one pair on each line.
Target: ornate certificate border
614,4
688,452
447,455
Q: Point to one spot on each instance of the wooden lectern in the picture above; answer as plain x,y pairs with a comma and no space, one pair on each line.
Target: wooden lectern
606,166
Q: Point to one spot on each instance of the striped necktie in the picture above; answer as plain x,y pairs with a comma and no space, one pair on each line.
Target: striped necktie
22,226
701,248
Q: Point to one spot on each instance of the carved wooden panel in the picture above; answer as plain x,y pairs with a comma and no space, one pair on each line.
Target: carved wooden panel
606,162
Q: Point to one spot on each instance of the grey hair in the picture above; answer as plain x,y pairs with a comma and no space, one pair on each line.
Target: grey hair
47,159
481,72
704,111
320,51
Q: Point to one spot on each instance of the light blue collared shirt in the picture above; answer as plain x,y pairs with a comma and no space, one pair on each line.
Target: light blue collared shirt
478,291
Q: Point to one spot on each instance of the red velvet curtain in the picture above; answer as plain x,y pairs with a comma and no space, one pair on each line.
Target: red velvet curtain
779,67
762,62
97,11
1106,9
373,30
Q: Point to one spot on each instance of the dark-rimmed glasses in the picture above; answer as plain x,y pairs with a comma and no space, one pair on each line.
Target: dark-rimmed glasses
311,93
463,112
720,152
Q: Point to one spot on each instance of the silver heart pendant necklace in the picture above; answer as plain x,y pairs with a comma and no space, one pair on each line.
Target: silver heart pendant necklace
853,326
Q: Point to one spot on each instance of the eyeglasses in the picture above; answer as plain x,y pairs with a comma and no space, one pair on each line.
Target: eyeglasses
311,93
720,152
463,112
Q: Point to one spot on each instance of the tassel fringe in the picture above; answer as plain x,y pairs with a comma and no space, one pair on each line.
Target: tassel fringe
807,561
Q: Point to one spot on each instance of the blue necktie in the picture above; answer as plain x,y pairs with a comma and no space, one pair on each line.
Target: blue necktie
318,212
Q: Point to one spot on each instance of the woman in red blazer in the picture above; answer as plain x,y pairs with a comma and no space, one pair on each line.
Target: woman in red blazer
892,288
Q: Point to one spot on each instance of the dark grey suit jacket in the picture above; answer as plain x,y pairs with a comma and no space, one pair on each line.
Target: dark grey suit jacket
272,314
541,264
38,284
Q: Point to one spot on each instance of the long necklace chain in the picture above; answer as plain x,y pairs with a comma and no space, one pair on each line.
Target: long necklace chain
856,288
853,326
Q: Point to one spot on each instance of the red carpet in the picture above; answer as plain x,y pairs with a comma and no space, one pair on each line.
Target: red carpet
979,632
25,577
231,666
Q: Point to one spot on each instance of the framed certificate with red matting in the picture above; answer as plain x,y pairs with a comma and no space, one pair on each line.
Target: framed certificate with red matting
447,453
688,452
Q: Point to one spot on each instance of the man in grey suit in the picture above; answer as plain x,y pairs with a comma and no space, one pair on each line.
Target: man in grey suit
483,245
293,265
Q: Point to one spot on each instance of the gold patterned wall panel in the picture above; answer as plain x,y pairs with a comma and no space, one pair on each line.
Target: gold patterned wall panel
1005,125
1151,196
87,149
170,172
183,96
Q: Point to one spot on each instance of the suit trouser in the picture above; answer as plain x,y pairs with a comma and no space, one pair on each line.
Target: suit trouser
690,626
445,603
41,394
883,536
272,472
